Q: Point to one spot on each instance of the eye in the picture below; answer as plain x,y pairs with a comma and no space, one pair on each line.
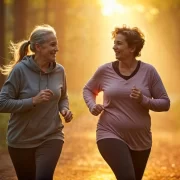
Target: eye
53,44
118,43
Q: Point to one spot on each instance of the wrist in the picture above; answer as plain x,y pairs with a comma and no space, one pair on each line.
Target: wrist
33,101
140,99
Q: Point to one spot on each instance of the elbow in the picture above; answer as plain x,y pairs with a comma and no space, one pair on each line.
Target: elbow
167,106
84,91
162,107
4,107
166,109
3,110
1,107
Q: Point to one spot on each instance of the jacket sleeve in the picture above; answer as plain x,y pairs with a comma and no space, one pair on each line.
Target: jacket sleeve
9,102
92,88
64,101
160,100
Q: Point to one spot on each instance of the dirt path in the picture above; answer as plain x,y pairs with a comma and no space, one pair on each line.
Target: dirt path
80,159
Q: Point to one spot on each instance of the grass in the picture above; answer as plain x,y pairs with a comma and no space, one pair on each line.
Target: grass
77,105
167,120
3,128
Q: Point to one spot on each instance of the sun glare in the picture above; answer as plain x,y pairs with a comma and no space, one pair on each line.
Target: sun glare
140,8
111,6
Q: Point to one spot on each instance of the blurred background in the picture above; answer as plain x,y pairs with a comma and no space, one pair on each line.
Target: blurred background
84,34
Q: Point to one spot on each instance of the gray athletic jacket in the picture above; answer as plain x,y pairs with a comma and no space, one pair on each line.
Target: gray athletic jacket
30,126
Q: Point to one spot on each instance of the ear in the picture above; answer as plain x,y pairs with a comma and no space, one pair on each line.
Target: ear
132,49
38,47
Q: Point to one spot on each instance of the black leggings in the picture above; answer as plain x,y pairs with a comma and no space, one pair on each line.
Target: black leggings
36,163
125,163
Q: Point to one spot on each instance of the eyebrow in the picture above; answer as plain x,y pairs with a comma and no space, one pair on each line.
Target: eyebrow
53,41
118,41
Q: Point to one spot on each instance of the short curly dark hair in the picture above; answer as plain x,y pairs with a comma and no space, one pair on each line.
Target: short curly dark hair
134,37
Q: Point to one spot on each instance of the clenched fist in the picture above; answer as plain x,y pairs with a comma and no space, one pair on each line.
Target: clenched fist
67,114
42,96
97,109
136,94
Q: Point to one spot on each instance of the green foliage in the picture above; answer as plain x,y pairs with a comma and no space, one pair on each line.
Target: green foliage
3,128
175,113
167,121
77,105
7,2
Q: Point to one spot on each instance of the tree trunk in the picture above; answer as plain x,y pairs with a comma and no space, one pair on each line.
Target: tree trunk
20,19
2,39
60,26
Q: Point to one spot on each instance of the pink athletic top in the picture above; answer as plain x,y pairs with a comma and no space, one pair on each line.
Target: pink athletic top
123,118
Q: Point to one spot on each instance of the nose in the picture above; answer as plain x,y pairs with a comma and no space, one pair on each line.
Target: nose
57,49
114,47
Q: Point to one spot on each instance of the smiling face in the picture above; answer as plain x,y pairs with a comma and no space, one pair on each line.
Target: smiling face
121,48
47,51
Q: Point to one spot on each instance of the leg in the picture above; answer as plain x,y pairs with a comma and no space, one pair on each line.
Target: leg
24,162
47,156
116,153
140,159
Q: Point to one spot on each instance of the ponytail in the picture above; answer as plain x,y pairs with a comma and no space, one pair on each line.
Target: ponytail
22,48
18,51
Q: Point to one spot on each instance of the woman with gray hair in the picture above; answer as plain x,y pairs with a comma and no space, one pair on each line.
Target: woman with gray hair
35,92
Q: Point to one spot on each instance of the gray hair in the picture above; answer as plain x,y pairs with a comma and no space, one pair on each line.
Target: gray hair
25,47
38,35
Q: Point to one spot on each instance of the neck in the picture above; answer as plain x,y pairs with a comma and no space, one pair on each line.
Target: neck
128,64
42,65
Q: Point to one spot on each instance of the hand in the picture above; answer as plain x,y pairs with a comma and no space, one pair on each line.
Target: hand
136,94
67,114
97,109
42,96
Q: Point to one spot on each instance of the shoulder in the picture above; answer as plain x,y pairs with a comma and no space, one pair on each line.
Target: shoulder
105,66
150,70
19,65
17,68
109,64
148,67
59,67
102,69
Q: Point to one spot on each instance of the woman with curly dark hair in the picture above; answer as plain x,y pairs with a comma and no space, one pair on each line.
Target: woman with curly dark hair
131,88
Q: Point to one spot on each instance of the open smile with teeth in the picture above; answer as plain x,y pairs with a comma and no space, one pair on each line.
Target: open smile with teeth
53,54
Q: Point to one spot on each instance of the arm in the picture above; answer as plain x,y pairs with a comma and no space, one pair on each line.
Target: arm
92,88
64,102
9,102
160,100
